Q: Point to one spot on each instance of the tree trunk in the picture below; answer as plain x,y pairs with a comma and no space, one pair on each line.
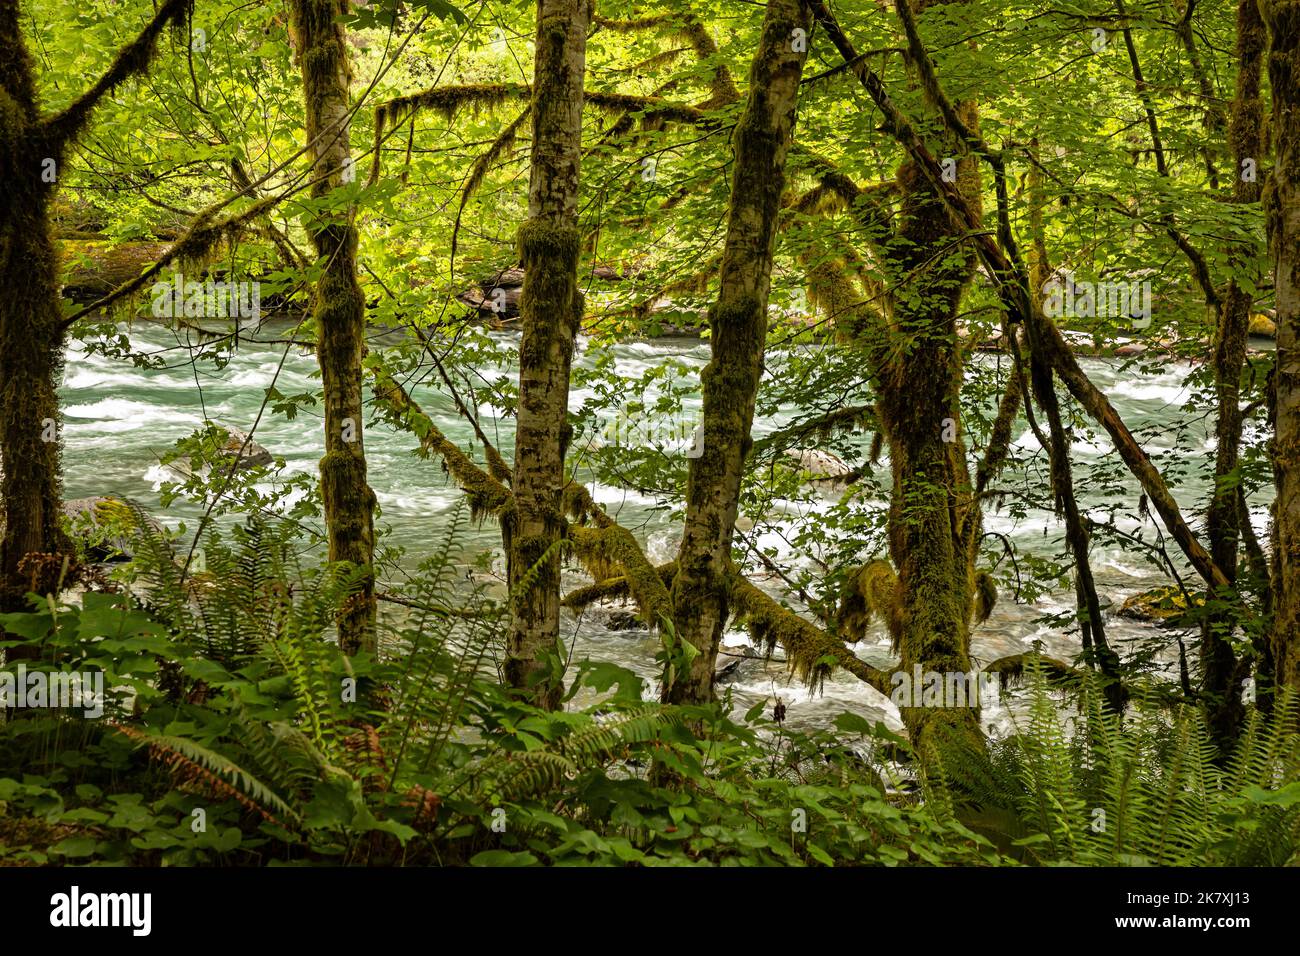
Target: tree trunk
919,405
738,322
1219,665
1282,210
31,336
340,313
1092,626
551,310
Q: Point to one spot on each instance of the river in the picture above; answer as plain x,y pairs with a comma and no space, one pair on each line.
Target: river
119,419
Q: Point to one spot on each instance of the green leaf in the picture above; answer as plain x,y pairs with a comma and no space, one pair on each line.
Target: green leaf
75,846
502,858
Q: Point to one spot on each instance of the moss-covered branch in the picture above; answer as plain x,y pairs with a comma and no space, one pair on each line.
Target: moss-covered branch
611,551
504,142
204,237
995,454
132,60
697,35
634,25
812,653
612,589
497,466
487,496
448,101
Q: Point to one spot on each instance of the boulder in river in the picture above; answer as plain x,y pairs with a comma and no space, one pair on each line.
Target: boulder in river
106,526
1165,606
1263,326
249,452
237,446
816,465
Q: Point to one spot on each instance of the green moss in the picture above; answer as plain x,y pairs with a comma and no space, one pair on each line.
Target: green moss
612,553
986,596
870,592
811,653
613,589
546,242
1165,605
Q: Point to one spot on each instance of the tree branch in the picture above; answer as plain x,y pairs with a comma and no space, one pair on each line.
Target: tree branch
132,60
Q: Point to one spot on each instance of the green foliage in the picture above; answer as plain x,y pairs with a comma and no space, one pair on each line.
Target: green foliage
1146,790
232,705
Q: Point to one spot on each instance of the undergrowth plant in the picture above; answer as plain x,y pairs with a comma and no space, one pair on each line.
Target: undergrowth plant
1079,784
236,732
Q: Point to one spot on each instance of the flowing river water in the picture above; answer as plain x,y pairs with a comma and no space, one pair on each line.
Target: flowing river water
119,419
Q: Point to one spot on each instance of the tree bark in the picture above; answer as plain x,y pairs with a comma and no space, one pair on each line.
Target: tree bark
339,312
1219,665
551,309
1282,210
32,151
31,336
918,388
738,323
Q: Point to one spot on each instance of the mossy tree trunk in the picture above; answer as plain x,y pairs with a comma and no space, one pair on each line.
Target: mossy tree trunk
551,310
339,312
32,153
934,520
31,335
738,323
918,386
1282,211
1221,670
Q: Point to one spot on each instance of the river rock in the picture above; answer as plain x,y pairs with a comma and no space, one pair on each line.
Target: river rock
251,454
1131,349
238,446
1263,326
106,526
818,465
1165,606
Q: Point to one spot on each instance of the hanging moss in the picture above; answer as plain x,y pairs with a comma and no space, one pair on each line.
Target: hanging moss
870,592
611,553
811,653
131,61
448,101
499,147
205,238
995,455
986,596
